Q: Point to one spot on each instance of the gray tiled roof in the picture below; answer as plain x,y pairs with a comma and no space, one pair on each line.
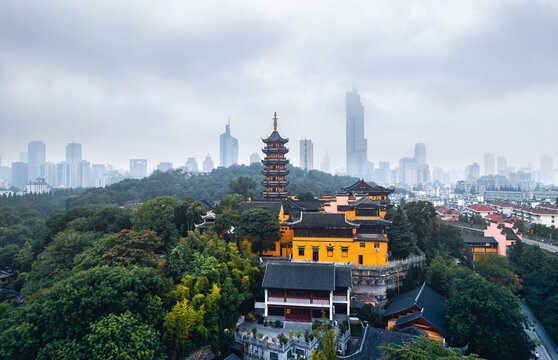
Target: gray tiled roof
322,220
472,237
274,206
306,276
367,347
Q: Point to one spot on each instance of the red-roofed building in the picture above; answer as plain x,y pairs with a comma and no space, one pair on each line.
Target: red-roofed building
447,214
548,207
503,207
479,209
537,216
502,219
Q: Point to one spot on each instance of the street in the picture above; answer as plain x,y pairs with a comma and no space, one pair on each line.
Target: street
547,350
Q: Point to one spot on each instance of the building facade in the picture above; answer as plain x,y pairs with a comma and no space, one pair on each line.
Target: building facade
138,168
306,154
36,155
356,143
275,181
228,148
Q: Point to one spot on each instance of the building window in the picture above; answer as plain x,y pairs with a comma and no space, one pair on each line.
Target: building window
273,355
344,251
376,245
330,251
362,245
301,251
360,259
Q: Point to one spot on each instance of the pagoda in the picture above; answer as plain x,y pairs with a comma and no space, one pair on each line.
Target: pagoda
275,181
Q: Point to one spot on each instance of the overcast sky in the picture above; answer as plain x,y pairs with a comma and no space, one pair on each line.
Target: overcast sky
159,79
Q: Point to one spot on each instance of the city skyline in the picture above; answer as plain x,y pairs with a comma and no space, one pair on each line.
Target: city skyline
437,80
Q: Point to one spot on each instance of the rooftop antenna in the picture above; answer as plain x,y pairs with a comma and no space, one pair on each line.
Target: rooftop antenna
275,121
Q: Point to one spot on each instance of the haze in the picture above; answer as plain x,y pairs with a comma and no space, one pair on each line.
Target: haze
159,79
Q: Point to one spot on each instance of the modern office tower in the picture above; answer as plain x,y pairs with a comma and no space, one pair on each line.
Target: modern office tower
62,175
306,155
85,173
502,163
23,156
138,168
98,175
228,148
472,172
407,170
438,175
357,145
36,157
73,158
547,169
208,164
48,172
6,173
489,164
254,159
19,174
420,154
192,164
382,173
324,166
164,166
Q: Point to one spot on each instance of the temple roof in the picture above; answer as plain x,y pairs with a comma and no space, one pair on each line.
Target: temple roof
275,138
364,188
366,203
306,276
368,346
510,234
476,237
274,206
429,303
322,220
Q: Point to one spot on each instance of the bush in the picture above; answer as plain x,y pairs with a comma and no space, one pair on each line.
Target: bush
250,316
278,324
282,339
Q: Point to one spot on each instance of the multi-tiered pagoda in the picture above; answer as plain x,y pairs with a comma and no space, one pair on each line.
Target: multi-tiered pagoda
275,181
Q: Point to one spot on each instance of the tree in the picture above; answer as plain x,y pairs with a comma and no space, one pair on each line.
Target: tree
242,185
308,195
124,337
326,348
415,277
449,238
371,314
422,348
261,227
227,219
424,220
158,215
133,248
495,268
229,202
443,271
488,318
187,214
401,239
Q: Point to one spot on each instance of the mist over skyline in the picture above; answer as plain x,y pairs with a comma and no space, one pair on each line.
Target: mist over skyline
158,80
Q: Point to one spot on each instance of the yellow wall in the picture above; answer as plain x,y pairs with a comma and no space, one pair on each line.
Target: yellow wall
369,254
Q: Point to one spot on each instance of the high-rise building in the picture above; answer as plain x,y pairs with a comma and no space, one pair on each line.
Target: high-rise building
382,173
489,164
23,156
98,175
547,169
6,173
208,164
138,168
48,172
164,166
306,155
192,165
36,157
62,174
85,174
19,174
420,154
325,167
357,145
472,172
73,159
255,159
502,163
275,181
407,171
228,148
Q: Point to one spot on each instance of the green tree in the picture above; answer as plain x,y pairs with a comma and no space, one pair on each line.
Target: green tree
227,219
415,277
242,185
133,248
488,318
371,314
124,337
308,195
326,348
261,227
424,220
401,239
495,268
422,348
158,215
449,239
187,214
442,273
229,202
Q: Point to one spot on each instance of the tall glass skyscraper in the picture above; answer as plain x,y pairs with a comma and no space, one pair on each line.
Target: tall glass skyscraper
228,148
36,155
357,145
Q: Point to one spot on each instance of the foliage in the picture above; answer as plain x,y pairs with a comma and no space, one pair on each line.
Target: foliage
261,227
422,348
423,219
158,215
442,273
488,318
133,248
243,185
124,337
416,276
401,240
495,268
473,220
372,315
326,348
187,214
544,231
229,202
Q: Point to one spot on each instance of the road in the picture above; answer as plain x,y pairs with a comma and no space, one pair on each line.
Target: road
547,351
544,246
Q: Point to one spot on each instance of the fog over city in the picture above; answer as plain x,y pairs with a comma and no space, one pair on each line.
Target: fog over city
159,79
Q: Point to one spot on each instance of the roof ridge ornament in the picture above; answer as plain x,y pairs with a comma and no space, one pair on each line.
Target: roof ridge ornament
275,121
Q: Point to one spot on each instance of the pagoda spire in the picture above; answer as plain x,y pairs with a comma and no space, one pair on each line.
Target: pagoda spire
275,121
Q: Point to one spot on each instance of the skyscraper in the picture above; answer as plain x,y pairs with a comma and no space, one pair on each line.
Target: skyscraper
19,174
73,159
325,164
254,158
489,164
192,164
472,171
164,166
306,155
138,168
547,169
420,154
98,175
73,153
36,157
502,165
228,148
356,144
84,174
208,164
